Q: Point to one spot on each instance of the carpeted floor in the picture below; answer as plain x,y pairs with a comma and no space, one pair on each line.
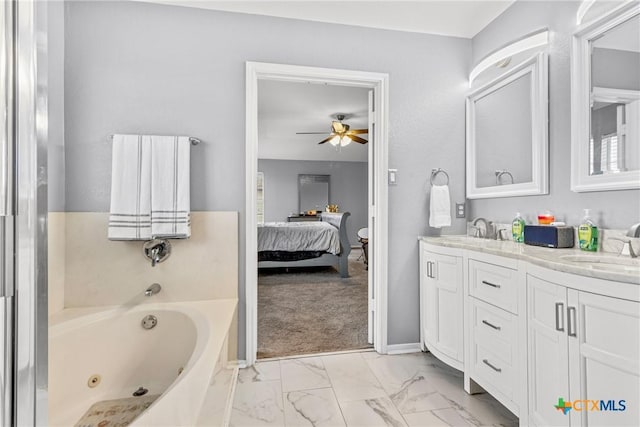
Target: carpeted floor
312,310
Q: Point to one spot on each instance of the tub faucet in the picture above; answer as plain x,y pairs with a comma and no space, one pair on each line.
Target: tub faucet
634,230
152,290
155,256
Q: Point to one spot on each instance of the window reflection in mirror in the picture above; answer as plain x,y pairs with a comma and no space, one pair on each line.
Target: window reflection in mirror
614,144
503,132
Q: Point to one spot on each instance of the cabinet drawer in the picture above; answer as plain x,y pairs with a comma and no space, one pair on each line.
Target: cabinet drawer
494,328
489,368
494,284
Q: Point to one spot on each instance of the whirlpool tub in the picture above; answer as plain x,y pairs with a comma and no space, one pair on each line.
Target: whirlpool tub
104,363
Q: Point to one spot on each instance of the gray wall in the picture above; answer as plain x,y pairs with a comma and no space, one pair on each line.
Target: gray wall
148,68
612,209
348,187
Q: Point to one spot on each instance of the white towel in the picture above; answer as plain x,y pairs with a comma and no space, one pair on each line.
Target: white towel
440,207
130,217
170,190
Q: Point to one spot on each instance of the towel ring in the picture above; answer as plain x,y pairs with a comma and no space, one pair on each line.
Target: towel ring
435,172
500,173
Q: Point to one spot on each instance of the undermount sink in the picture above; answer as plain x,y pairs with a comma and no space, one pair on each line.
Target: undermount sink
607,262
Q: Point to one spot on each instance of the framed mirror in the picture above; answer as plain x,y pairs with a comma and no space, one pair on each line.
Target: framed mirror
313,192
605,103
507,136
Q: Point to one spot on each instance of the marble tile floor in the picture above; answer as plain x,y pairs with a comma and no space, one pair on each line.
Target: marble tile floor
360,389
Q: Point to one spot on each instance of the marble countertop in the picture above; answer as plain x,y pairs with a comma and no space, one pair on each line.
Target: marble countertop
608,266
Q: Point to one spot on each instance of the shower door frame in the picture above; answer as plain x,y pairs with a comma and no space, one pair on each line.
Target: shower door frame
30,208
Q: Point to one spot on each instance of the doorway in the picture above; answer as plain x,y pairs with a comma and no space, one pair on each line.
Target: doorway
377,194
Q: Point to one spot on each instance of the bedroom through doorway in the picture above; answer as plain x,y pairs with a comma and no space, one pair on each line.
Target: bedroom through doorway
377,197
312,214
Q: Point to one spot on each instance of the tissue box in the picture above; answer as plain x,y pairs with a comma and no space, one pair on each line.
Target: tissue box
549,236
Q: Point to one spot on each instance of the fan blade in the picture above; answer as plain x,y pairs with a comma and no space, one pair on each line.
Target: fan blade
337,127
311,133
357,139
357,131
326,140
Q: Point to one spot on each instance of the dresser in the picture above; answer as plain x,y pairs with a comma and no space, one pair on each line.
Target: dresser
303,218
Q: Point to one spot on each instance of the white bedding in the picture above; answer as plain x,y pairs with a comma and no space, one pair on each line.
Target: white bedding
298,236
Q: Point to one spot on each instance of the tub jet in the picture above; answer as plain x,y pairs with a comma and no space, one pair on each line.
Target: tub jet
149,322
141,391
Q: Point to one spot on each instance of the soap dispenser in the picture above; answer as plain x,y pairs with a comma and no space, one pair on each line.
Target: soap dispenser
517,228
588,233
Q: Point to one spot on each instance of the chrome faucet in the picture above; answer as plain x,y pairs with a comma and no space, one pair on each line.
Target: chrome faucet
489,232
634,230
152,290
157,250
155,256
627,246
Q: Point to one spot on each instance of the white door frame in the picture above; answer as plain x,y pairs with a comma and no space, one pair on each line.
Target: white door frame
379,83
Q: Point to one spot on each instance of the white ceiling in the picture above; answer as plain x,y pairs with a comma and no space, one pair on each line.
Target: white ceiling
458,18
285,108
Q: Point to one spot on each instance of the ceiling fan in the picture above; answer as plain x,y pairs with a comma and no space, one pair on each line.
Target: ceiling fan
341,134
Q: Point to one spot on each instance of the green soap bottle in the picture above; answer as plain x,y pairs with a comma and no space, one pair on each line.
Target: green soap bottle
517,229
588,233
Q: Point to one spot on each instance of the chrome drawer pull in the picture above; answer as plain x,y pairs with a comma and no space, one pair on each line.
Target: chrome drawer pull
497,328
571,322
559,316
493,285
486,362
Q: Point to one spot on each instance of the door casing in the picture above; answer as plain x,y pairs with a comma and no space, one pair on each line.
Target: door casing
378,215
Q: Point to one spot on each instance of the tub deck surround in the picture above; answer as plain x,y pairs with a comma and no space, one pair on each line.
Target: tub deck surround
99,272
554,259
203,331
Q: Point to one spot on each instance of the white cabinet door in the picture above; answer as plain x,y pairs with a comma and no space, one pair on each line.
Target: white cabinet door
547,352
441,284
604,359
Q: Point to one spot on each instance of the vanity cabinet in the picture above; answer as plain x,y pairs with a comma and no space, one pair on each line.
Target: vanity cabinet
581,346
441,303
530,329
492,324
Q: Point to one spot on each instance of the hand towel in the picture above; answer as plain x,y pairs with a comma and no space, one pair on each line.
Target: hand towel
440,207
170,187
130,214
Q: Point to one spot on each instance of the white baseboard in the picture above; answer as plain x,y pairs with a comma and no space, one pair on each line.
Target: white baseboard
413,347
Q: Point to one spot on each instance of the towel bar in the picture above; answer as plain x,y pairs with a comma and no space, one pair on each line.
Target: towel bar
193,141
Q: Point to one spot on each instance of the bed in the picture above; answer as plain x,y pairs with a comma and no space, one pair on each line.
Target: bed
306,244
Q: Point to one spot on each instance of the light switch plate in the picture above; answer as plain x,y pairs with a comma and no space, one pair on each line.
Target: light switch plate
393,176
460,211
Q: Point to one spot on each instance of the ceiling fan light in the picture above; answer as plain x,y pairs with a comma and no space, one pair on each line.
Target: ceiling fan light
345,141
335,141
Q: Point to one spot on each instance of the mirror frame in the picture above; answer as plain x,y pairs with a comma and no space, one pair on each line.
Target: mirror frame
581,181
537,67
317,178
